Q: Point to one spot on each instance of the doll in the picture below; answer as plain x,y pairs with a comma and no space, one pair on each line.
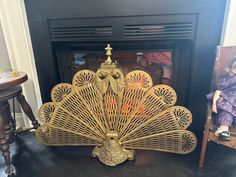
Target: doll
224,102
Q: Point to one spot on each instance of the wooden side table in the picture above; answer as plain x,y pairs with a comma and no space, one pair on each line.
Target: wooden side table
10,88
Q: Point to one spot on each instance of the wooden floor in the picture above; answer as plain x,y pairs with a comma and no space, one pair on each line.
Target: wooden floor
32,159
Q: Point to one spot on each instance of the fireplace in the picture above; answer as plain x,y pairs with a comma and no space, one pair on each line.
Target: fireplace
69,36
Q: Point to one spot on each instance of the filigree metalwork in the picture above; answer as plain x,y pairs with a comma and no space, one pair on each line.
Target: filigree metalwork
115,113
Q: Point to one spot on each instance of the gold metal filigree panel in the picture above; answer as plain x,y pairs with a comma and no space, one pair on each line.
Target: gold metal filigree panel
116,114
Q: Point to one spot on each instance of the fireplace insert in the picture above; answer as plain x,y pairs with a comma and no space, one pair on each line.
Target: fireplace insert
69,35
167,62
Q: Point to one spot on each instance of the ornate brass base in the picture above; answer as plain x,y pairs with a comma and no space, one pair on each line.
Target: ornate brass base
111,153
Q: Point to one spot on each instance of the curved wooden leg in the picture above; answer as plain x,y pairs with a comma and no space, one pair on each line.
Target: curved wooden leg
5,136
27,109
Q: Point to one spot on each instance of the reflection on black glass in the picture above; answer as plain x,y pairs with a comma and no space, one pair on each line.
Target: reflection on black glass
157,64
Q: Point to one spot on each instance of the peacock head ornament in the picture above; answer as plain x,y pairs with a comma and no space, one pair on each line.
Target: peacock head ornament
116,113
110,75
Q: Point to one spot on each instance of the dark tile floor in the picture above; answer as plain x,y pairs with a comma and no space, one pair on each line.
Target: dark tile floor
32,159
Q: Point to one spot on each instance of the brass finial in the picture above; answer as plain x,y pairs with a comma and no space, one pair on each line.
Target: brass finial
108,49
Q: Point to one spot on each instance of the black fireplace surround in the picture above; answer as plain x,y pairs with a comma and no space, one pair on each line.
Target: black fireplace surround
189,28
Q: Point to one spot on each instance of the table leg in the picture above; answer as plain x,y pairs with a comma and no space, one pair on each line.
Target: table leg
7,118
27,109
6,135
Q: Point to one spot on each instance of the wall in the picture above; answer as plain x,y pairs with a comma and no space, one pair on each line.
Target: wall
229,32
4,58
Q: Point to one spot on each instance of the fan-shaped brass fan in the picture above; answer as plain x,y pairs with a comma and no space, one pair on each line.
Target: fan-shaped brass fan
115,113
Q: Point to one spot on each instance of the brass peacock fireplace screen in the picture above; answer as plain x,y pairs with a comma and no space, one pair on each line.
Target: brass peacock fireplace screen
116,114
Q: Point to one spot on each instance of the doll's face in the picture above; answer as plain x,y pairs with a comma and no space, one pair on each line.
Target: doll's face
233,68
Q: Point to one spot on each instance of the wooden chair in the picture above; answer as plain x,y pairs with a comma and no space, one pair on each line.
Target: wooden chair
224,55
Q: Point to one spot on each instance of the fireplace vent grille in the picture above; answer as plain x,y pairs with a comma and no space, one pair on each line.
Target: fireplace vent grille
81,32
160,31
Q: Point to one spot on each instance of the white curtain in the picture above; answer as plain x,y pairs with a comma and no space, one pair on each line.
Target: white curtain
18,50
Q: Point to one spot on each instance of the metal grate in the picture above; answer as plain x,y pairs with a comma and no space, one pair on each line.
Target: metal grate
81,32
160,31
